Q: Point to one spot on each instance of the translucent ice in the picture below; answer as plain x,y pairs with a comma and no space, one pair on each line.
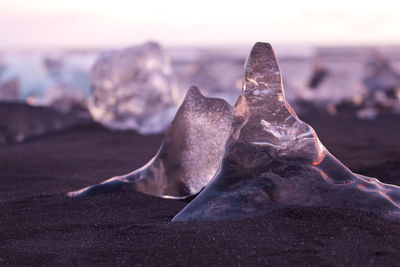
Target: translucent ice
380,75
66,99
189,155
274,160
134,89
38,73
19,121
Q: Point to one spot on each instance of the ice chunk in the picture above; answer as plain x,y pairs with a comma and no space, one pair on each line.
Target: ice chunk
39,73
382,83
9,90
274,160
19,122
380,75
134,89
188,157
66,99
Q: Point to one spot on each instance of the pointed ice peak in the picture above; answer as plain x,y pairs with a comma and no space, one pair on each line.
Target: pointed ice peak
263,118
193,92
262,74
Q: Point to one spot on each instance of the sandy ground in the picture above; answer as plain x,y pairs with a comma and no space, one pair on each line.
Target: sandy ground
39,225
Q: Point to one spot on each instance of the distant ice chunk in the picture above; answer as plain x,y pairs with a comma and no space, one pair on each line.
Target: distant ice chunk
380,75
9,90
19,122
134,88
66,99
218,74
40,77
382,83
188,157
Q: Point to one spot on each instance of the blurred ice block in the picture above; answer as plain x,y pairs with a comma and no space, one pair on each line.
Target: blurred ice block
19,122
134,88
9,90
36,74
66,99
380,75
382,83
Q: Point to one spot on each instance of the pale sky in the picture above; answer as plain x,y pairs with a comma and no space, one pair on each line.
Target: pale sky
99,23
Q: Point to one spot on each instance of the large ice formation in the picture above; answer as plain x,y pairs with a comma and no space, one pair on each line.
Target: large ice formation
134,88
274,160
188,157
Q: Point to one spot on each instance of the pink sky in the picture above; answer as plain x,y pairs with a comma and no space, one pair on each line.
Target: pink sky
91,23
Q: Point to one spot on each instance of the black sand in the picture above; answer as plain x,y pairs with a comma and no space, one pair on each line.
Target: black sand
39,225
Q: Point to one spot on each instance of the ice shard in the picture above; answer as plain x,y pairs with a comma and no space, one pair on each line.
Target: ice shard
188,157
273,160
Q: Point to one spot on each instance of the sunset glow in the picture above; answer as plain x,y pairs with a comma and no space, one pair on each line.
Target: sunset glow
108,23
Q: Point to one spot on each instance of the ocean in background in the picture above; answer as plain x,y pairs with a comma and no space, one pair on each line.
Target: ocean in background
216,71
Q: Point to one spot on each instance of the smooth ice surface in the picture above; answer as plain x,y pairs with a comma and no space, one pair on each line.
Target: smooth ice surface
274,160
188,157
134,88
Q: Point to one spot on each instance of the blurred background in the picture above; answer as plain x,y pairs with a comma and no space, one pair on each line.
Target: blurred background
128,64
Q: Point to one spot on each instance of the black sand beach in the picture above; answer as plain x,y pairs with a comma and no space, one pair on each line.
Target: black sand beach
39,225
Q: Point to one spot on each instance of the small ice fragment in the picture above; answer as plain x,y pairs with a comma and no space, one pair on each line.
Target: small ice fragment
188,157
367,113
134,88
274,160
19,121
9,90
